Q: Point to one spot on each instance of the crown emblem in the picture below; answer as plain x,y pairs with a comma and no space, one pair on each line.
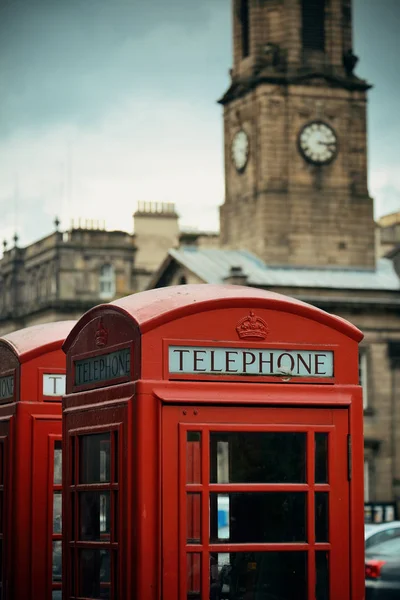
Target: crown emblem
101,335
252,327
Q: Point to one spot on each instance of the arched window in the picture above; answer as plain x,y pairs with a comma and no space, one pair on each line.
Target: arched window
182,280
107,282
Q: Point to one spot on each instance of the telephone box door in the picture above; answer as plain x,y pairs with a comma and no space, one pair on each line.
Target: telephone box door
255,503
46,491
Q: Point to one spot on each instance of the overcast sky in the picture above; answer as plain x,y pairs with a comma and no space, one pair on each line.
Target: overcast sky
104,103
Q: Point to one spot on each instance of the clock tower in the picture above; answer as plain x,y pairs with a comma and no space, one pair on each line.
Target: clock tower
296,137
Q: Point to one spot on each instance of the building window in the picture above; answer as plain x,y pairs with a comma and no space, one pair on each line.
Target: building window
53,285
366,480
313,24
245,23
107,282
363,375
33,288
43,286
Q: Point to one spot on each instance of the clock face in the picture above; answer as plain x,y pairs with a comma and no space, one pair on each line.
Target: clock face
318,143
240,150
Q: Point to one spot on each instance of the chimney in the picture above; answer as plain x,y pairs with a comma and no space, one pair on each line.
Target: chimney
156,231
236,276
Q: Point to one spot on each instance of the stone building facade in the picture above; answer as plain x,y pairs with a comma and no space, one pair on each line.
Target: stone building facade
66,273
63,275
388,233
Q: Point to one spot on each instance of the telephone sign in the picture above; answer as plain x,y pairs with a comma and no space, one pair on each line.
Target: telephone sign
6,387
102,369
249,361
54,384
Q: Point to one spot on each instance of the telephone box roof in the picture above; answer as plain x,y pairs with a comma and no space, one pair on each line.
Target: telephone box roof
32,341
152,308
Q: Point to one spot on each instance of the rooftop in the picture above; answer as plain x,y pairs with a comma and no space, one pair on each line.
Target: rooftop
215,265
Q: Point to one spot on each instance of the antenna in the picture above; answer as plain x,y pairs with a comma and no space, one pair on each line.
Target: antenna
62,214
16,198
68,186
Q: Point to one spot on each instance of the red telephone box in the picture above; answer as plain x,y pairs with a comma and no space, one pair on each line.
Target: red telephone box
32,383
214,449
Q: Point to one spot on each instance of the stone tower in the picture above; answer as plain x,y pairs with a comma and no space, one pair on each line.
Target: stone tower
295,137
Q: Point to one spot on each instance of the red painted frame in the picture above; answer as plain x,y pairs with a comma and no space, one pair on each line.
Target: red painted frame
111,420
113,487
28,421
45,429
4,484
51,488
175,488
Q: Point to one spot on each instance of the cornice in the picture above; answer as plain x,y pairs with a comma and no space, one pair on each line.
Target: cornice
240,87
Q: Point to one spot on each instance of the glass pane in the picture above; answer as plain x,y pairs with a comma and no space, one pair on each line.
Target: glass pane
321,458
94,523
115,449
261,517
57,463
1,463
193,534
57,554
116,520
95,573
74,443
193,457
257,457
57,517
105,464
95,458
56,595
223,516
72,573
73,515
322,583
259,575
321,516
193,576
115,576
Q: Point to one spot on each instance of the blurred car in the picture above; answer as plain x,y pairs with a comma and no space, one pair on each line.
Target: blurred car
382,571
377,533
